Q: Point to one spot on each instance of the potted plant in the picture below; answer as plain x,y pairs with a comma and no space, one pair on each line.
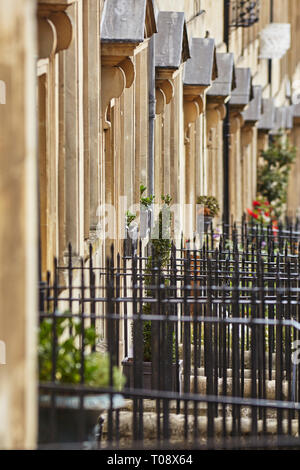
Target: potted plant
68,414
131,227
208,208
161,250
146,203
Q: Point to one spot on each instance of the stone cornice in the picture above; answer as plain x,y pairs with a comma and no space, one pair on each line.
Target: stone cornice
47,7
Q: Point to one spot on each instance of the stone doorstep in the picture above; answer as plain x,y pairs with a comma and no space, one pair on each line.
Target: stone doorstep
247,357
270,387
201,442
177,425
150,406
247,373
217,443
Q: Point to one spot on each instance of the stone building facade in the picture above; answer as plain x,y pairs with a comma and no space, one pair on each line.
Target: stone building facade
141,96
100,96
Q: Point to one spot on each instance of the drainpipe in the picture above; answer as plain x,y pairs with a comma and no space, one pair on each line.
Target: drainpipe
152,106
270,60
226,128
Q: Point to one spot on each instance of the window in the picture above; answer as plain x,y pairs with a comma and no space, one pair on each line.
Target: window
244,13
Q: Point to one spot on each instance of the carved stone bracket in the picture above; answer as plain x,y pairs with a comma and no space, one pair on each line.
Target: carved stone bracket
164,94
161,101
47,38
118,73
64,29
55,28
194,104
191,113
129,70
247,135
113,81
167,87
215,113
223,111
200,100
164,82
236,122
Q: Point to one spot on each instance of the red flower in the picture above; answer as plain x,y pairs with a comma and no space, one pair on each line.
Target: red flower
256,203
275,227
267,214
250,212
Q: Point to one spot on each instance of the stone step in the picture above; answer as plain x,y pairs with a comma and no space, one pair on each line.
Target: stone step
177,426
201,408
247,373
247,357
150,406
270,387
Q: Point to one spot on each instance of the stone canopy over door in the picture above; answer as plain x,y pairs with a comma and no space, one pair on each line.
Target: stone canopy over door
124,60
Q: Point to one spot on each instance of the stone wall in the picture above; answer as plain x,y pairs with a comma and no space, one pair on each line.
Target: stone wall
18,225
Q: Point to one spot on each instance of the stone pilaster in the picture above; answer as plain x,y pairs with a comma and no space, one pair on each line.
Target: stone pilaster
18,225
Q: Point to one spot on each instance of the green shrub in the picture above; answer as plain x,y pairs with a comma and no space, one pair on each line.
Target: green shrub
161,244
68,355
273,173
211,205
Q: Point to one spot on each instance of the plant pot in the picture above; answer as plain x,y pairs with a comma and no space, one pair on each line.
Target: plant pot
145,221
207,223
130,242
203,223
128,371
69,417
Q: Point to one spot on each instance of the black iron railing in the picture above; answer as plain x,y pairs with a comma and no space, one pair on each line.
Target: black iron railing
222,326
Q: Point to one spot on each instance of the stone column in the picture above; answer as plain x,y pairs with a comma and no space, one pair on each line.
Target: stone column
141,123
92,111
194,107
74,153
235,169
249,161
215,114
18,225
191,115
